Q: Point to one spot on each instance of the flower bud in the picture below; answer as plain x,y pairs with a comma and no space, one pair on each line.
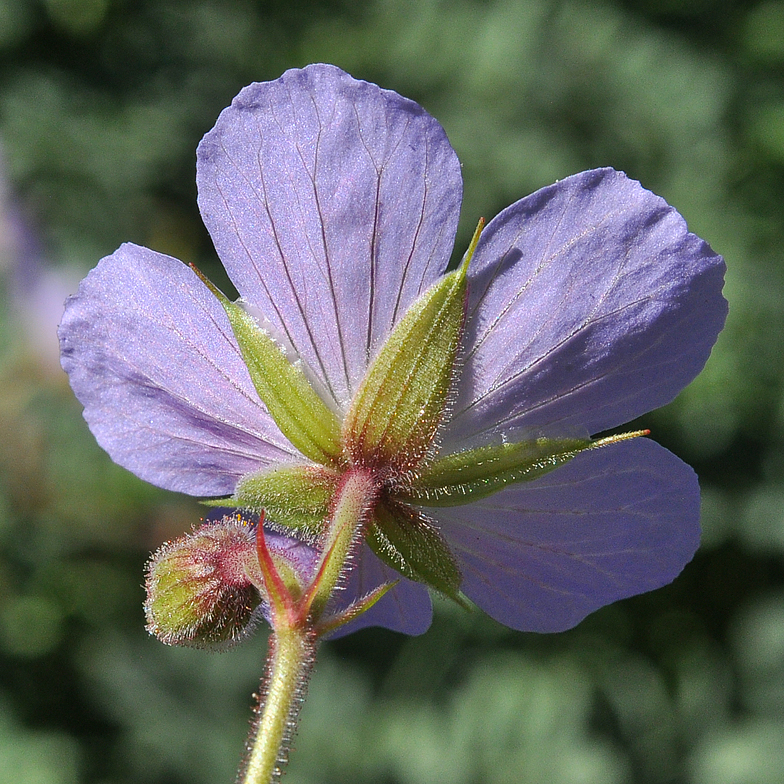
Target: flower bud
200,587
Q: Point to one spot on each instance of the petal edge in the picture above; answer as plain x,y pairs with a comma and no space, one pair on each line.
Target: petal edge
152,358
590,304
310,186
610,524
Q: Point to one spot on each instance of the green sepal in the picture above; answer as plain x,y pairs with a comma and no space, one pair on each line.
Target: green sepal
464,477
292,497
354,610
296,407
397,409
402,538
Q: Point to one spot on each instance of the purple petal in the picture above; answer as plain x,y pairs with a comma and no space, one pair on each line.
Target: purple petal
612,523
153,360
332,204
405,608
590,304
301,556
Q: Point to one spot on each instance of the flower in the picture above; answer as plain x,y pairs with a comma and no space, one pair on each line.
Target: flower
333,205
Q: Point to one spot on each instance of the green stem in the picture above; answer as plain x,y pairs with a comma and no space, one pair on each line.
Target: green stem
292,654
351,507
294,622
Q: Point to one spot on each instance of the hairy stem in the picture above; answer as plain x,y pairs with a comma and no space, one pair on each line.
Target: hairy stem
292,654
351,506
294,630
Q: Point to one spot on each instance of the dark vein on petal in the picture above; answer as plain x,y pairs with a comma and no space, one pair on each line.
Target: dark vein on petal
546,260
294,291
190,404
327,257
262,198
415,240
542,549
374,238
590,318
611,371
492,583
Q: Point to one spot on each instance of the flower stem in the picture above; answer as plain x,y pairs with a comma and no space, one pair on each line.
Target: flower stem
351,506
295,628
292,654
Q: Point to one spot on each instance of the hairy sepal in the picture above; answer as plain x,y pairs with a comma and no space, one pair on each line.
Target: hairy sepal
298,410
405,540
292,497
396,411
356,609
464,477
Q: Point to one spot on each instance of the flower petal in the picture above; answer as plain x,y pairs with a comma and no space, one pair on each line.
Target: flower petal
589,304
154,362
332,204
610,524
406,608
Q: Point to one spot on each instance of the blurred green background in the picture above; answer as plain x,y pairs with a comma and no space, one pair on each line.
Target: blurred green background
102,103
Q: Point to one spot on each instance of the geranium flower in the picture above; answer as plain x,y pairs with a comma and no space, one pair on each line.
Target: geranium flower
333,205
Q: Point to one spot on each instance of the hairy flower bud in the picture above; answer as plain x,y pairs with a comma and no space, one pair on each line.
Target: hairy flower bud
200,587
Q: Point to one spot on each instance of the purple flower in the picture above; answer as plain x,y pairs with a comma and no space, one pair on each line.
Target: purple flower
333,205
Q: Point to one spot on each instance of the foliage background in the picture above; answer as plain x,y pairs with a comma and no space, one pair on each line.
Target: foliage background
102,103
